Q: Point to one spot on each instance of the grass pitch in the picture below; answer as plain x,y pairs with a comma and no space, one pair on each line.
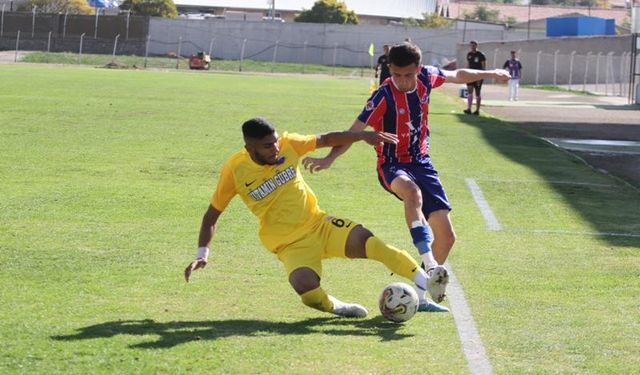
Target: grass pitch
105,175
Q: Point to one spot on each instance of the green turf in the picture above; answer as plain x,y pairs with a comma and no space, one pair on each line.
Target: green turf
155,62
105,176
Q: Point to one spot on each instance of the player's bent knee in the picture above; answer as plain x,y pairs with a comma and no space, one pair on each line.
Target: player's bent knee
355,246
304,279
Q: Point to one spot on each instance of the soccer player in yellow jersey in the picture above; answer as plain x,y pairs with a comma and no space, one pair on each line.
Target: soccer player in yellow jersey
266,176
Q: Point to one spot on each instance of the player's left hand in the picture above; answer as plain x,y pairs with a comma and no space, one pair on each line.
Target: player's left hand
198,263
316,164
376,138
501,75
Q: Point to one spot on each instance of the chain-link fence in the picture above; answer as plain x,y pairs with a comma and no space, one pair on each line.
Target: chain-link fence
269,47
604,73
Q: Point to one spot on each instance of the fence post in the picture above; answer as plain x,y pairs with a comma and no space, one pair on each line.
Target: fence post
573,53
627,71
15,59
80,50
335,55
2,22
621,71
607,69
146,50
126,35
244,43
115,45
95,28
495,61
33,21
64,25
275,54
211,46
179,52
538,66
586,72
304,56
598,70
49,43
555,67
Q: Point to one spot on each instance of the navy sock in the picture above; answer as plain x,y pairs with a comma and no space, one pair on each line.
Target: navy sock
421,238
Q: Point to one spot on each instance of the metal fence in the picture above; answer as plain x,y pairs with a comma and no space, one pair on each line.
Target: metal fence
603,73
171,42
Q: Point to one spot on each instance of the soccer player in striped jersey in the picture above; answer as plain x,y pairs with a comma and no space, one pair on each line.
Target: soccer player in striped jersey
401,106
266,176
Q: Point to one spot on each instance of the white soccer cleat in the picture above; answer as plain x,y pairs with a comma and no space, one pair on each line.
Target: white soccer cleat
348,310
437,282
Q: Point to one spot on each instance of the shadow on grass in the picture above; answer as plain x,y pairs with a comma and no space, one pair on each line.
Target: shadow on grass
176,333
612,207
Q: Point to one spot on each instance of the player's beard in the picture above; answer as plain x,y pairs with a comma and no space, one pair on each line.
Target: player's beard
263,160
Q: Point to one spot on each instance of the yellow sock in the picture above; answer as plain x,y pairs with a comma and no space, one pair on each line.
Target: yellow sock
398,261
317,299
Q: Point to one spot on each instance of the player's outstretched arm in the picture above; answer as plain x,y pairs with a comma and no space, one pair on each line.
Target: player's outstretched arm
335,139
207,230
318,164
472,75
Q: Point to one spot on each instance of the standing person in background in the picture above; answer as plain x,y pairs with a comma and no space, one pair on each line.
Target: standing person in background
382,67
478,61
515,69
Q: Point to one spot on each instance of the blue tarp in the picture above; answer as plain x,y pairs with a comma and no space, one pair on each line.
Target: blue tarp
104,3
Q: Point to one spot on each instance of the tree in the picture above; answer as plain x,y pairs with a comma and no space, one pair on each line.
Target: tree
431,21
482,13
154,8
328,11
57,6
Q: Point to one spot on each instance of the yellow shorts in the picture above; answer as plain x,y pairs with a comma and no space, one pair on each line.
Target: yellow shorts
327,240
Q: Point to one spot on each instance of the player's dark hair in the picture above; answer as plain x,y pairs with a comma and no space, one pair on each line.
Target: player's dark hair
405,54
257,128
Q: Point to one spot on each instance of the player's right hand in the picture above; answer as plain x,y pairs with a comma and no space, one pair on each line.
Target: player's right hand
198,263
501,75
316,164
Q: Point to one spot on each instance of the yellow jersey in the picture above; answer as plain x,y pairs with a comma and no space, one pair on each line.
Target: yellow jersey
276,194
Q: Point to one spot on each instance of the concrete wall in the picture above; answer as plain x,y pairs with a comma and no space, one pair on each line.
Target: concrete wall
347,45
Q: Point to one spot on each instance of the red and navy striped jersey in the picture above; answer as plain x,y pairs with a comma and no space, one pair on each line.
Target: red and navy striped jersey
404,114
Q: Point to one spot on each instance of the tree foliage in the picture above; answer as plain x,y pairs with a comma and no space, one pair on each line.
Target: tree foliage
154,8
57,6
431,21
584,3
483,13
328,11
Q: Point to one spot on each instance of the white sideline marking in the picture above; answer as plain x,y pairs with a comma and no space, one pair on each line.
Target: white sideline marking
483,205
472,346
576,233
541,182
553,182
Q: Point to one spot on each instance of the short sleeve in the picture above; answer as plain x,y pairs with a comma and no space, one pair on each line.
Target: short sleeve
373,112
434,75
301,143
226,189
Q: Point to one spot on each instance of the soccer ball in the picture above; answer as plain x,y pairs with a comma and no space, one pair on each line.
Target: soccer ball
398,302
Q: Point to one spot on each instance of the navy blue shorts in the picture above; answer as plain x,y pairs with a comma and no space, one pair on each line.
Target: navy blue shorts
425,176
